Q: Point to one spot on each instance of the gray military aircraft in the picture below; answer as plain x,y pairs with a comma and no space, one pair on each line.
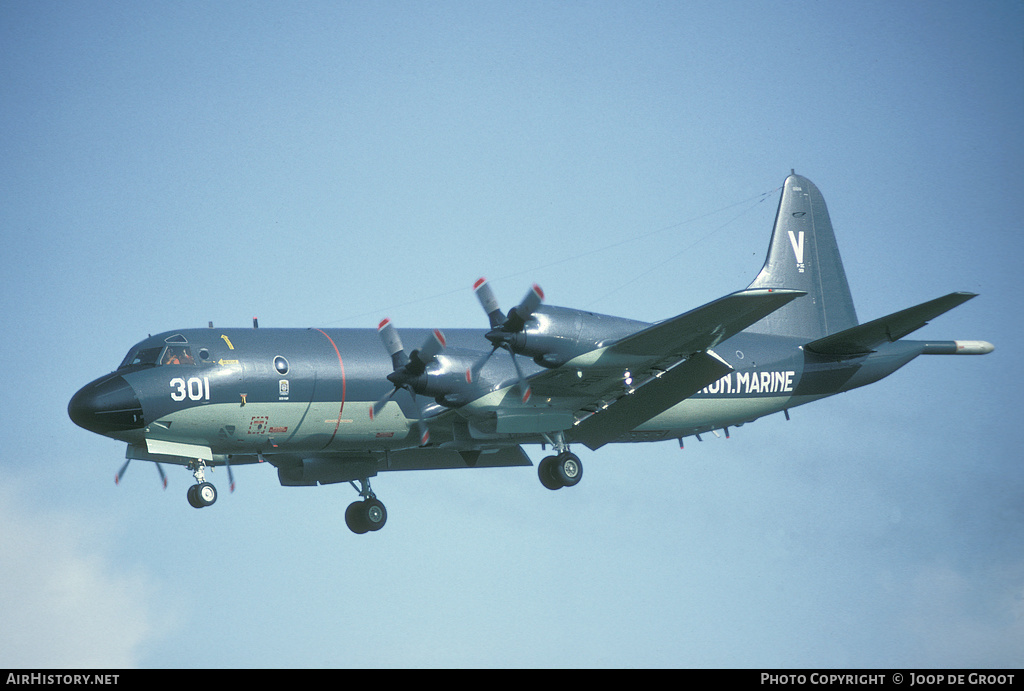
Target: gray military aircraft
331,405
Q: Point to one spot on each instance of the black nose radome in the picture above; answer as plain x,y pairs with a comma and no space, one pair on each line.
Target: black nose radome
106,405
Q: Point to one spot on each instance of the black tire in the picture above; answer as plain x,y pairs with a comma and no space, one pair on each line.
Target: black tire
193,497
355,518
546,472
568,469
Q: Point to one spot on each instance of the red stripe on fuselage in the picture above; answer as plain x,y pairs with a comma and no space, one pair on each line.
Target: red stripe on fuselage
337,424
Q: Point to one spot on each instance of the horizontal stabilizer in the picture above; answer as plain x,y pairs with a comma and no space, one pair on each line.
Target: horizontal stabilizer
653,398
865,338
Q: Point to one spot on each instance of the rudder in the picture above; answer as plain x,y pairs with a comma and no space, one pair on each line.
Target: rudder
803,255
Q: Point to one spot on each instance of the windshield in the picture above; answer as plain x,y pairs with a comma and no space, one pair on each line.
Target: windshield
159,355
141,356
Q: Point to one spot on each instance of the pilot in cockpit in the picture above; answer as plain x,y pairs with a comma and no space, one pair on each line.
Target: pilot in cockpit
177,356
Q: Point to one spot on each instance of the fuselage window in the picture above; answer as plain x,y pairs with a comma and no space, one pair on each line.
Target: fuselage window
281,365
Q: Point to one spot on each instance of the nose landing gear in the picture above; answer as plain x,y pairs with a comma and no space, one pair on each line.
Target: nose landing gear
201,494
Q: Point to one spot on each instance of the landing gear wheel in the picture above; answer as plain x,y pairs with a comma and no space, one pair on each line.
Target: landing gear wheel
355,518
202,495
546,473
366,515
568,469
563,470
206,493
374,514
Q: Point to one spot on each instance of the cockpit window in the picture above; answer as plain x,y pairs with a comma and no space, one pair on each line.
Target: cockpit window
177,355
141,357
151,357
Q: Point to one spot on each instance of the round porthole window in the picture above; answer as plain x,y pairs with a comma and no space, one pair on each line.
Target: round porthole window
281,365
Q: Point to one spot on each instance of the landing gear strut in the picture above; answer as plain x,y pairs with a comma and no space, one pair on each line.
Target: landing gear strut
367,515
201,494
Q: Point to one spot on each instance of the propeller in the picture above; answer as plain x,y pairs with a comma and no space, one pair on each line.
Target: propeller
505,327
407,369
159,469
231,476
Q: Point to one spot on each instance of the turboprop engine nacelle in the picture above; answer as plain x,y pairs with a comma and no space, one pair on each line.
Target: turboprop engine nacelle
556,335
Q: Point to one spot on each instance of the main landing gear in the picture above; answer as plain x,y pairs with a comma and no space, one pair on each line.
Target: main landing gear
202,494
563,470
368,515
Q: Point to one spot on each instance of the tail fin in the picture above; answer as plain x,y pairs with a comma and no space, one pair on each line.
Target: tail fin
804,256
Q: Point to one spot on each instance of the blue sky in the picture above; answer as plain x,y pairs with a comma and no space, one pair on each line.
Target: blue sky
329,164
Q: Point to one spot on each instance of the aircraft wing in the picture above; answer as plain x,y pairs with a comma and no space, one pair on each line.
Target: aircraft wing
707,326
863,339
668,361
652,398
660,346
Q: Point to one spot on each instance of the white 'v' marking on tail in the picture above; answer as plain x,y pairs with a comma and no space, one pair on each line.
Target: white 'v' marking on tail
798,246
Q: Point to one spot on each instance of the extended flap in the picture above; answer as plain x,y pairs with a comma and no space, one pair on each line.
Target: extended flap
653,398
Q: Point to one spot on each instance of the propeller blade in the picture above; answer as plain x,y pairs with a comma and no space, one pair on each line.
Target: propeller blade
392,343
524,388
430,348
474,370
120,473
490,304
231,476
518,315
531,302
379,405
421,423
160,469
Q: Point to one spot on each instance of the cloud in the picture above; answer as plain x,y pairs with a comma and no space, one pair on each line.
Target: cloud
65,601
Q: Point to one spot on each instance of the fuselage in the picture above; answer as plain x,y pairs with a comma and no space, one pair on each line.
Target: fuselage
246,392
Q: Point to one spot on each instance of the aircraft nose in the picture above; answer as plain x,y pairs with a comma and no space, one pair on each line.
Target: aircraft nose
106,405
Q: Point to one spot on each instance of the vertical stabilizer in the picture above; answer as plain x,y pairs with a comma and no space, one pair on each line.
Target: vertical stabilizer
804,256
